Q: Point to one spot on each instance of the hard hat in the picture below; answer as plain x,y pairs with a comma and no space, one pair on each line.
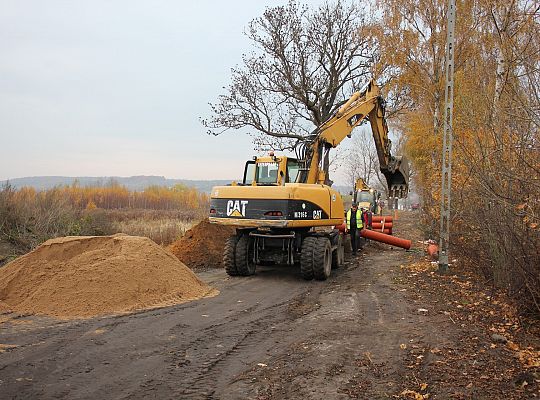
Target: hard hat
354,204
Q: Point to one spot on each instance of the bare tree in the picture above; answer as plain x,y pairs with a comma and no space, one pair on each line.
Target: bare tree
306,64
361,161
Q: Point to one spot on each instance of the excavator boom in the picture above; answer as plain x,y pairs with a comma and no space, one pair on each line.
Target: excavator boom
365,104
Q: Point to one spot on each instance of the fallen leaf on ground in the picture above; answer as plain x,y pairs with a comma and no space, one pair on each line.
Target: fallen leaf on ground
4,347
411,394
512,346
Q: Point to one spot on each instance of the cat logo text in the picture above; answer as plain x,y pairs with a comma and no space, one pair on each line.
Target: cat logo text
236,208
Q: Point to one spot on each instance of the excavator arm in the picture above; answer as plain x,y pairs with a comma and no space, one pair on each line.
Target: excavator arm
365,104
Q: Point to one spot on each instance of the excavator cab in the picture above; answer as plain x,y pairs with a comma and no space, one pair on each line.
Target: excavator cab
271,171
261,173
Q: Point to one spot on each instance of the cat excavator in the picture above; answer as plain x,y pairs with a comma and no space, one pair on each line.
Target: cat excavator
285,211
365,196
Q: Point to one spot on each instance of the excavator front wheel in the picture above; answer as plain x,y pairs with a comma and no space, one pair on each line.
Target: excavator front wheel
244,256
316,258
307,257
338,255
228,256
322,259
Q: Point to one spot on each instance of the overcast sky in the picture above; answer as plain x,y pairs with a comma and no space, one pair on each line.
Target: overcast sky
101,88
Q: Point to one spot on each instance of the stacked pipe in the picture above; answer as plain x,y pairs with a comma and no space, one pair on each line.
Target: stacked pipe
381,237
382,223
381,232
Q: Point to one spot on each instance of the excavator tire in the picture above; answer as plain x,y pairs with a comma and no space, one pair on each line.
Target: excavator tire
307,256
322,259
338,255
243,257
228,256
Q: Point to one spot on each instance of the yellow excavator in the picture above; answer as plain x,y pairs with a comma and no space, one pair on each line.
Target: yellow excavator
366,197
285,211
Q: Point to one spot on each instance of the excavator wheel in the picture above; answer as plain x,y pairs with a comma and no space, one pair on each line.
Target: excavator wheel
338,255
307,257
322,259
244,257
228,256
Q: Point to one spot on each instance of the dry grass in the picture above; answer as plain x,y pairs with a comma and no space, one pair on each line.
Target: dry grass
28,218
163,231
162,226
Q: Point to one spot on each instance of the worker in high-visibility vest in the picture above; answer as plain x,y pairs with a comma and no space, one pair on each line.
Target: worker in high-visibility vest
354,226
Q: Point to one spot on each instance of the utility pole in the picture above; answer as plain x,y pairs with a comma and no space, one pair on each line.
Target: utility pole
447,139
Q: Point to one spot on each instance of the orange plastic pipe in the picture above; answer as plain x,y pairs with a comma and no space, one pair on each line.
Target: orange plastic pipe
381,237
341,227
379,225
379,218
385,231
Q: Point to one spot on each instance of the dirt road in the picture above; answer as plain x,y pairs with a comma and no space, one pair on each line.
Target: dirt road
361,334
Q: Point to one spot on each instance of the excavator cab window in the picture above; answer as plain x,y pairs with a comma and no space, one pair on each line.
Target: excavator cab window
365,196
293,169
249,173
267,172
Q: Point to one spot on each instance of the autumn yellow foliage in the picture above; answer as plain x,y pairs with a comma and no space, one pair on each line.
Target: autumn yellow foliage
495,215
29,217
119,197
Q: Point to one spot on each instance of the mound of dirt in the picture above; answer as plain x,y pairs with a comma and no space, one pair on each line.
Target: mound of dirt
85,276
202,245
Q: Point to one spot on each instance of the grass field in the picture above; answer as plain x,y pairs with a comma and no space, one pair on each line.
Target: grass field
163,227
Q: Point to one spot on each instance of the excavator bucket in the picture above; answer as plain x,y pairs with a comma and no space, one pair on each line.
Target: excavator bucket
397,177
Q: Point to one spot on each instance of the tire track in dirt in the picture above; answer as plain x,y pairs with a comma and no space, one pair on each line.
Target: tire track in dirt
272,335
199,377
351,340
144,354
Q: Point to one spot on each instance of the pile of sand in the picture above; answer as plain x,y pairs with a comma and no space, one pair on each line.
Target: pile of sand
202,246
84,276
